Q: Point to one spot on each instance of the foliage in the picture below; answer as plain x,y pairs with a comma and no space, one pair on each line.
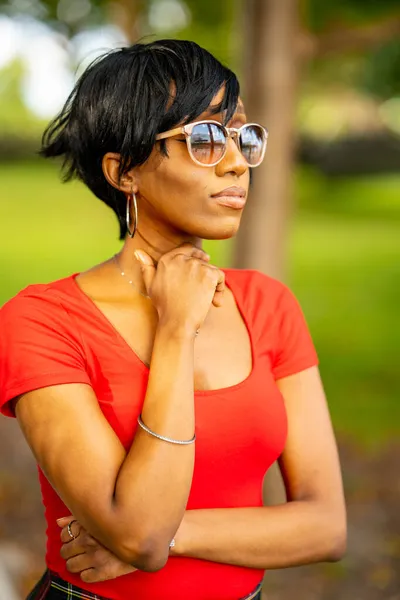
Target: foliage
322,15
382,75
212,26
345,269
216,25
15,118
55,13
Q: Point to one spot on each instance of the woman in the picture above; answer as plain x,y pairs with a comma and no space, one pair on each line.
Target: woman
156,389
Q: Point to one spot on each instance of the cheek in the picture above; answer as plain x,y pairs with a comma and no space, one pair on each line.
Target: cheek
176,185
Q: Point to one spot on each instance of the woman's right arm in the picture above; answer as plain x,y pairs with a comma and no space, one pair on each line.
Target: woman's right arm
132,503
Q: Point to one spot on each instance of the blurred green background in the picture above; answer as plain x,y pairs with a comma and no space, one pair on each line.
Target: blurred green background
342,253
344,261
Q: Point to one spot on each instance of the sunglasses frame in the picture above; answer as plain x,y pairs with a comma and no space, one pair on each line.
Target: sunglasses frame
230,132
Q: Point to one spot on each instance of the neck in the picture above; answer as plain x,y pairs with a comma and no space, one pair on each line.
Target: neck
155,243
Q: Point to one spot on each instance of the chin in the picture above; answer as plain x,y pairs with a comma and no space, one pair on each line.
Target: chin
220,232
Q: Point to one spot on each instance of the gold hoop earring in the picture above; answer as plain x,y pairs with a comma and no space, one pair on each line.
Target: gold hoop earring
128,214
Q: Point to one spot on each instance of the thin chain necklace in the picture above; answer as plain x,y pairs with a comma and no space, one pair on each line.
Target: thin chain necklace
125,276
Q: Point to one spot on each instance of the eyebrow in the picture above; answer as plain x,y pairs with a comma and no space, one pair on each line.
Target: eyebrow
238,116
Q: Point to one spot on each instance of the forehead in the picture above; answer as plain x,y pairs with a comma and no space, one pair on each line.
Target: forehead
216,102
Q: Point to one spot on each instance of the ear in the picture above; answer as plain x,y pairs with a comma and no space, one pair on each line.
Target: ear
110,165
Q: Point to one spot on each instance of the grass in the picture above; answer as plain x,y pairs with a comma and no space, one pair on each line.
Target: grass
344,255
345,266
346,273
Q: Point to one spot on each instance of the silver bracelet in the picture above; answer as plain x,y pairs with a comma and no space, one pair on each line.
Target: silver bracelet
162,437
172,543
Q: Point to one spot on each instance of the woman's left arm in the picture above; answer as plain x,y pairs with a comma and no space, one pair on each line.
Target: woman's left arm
311,526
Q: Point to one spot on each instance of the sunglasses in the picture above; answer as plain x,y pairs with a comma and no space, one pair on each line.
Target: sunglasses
207,141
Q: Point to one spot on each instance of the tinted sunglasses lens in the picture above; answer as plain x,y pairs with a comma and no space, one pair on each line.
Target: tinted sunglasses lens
207,143
252,143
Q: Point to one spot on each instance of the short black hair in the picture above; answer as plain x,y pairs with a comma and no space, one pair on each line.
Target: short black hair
123,99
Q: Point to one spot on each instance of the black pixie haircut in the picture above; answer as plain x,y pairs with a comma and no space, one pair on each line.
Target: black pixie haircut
123,99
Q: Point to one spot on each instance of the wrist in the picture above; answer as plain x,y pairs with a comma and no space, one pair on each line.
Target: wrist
180,546
184,332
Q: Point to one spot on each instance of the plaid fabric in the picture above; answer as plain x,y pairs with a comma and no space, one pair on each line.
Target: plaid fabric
52,587
255,594
66,590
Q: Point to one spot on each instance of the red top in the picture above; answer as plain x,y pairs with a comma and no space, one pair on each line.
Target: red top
54,334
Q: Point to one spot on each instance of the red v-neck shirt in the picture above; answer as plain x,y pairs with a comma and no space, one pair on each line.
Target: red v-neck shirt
54,334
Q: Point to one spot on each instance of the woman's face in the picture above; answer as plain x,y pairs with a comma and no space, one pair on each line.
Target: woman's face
176,196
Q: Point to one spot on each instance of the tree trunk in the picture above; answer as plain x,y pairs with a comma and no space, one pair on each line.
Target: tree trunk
125,15
270,94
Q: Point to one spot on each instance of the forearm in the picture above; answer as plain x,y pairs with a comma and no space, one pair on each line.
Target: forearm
154,482
274,537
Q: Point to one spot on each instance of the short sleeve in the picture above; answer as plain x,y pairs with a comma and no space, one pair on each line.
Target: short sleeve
39,347
294,348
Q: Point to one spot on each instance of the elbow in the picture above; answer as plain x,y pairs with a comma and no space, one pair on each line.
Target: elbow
338,549
151,558
337,544
146,554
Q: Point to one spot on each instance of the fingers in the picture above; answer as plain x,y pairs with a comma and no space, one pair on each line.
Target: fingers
187,250
219,286
75,529
79,563
63,521
200,254
84,543
192,251
147,267
220,289
220,283
68,551
97,566
93,576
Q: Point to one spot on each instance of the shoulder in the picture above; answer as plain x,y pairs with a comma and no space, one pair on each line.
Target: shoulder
39,303
40,344
257,288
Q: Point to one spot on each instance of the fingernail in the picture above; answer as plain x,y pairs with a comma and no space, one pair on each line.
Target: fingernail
138,255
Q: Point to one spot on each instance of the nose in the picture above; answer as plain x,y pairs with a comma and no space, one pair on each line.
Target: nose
233,161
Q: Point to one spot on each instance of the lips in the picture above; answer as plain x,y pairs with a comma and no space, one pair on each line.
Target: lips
232,197
234,192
